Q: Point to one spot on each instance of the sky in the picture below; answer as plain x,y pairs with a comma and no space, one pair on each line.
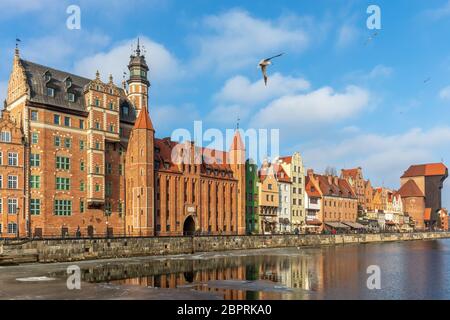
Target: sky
341,95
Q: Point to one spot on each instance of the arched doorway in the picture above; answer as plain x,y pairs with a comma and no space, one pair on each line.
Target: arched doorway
189,226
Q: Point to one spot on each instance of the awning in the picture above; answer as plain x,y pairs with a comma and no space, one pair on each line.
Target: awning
390,223
314,222
355,225
337,225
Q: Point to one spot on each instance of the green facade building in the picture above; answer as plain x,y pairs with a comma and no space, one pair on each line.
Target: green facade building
251,197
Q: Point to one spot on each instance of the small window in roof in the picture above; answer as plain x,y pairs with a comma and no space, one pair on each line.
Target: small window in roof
68,82
50,92
70,97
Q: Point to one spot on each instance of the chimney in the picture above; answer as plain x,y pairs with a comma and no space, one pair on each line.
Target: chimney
336,180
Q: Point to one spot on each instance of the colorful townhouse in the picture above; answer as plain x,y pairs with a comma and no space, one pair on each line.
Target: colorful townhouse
268,198
284,212
293,166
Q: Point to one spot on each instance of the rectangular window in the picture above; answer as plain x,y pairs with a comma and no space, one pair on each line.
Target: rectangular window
1,208
108,210
35,160
12,206
50,92
81,144
97,102
62,163
71,97
62,208
62,184
97,188
35,207
12,228
81,206
108,189
13,159
82,186
67,142
120,208
108,168
81,166
57,141
57,119
121,169
35,182
67,121
34,138
5,136
34,115
81,124
12,182
1,158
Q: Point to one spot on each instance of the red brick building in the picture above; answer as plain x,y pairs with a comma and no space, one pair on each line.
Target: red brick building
88,162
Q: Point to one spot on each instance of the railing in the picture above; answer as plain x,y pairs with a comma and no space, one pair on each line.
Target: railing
24,240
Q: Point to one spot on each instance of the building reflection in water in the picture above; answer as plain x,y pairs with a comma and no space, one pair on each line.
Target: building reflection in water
408,270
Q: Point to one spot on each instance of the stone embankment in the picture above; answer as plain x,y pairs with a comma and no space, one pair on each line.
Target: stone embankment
65,250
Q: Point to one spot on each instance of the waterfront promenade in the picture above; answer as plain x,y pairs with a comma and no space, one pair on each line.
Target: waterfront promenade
65,250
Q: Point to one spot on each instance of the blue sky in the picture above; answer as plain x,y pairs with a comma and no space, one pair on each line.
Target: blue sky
340,101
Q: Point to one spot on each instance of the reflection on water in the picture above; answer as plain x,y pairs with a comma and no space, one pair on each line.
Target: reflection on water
409,270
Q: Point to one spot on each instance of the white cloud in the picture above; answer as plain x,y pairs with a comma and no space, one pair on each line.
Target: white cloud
377,72
235,39
319,106
163,65
60,50
240,90
380,71
383,157
350,130
346,36
439,13
444,94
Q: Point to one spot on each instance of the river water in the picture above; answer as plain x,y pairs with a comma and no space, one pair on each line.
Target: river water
408,270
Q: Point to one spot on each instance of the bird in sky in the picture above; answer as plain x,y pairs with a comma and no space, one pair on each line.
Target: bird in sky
427,80
370,38
263,65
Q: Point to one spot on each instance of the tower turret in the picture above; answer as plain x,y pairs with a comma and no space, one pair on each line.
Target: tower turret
138,83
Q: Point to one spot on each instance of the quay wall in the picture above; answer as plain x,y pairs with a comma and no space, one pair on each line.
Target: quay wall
66,250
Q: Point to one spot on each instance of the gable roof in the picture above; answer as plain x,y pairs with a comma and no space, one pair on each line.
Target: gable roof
410,189
35,74
287,160
350,173
429,169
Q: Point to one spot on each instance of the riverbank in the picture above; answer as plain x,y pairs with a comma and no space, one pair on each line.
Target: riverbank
67,250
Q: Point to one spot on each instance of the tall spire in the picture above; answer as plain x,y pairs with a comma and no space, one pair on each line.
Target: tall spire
143,120
138,50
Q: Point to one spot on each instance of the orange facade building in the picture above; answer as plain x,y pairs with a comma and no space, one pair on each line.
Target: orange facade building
88,162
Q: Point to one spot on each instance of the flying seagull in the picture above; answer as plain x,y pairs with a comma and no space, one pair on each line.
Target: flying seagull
427,80
263,65
370,38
